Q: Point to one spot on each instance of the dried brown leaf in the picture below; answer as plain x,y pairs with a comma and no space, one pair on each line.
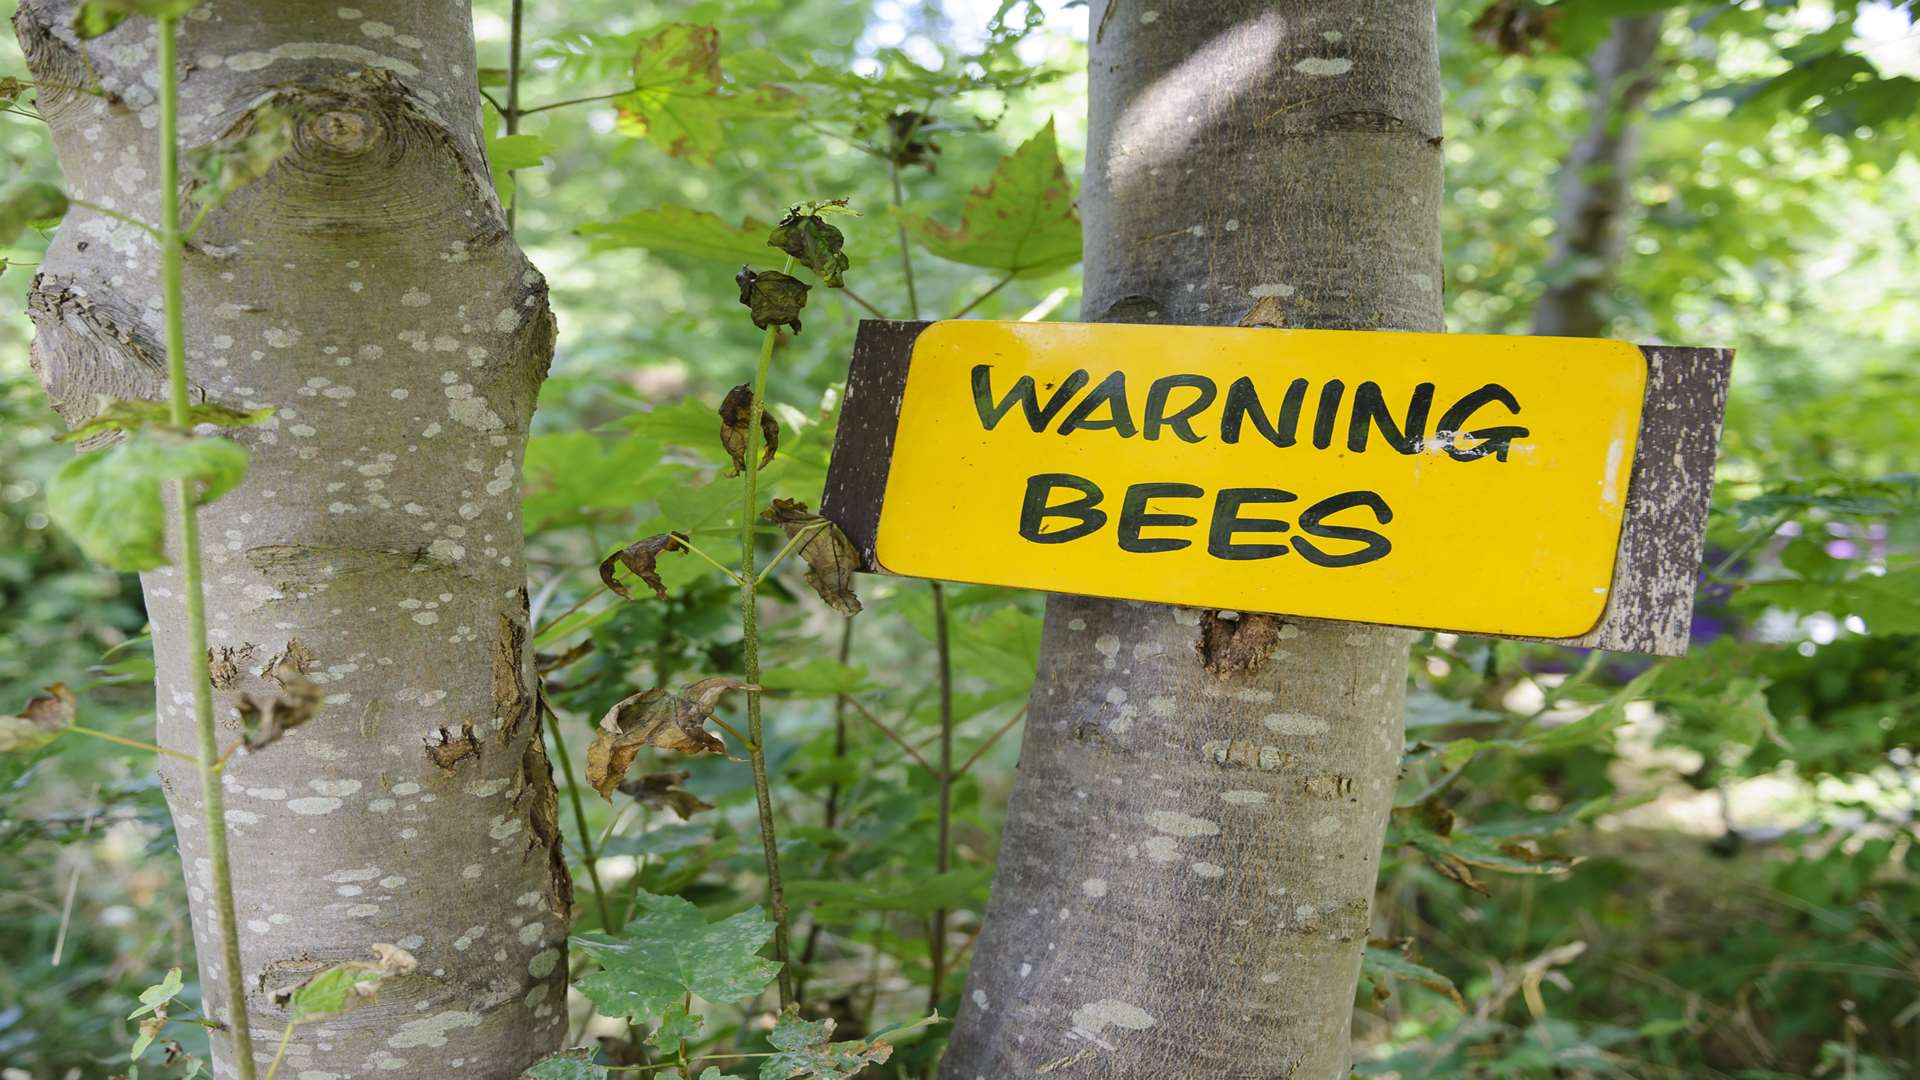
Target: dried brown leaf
40,721
640,557
831,558
1518,27
659,718
736,412
662,790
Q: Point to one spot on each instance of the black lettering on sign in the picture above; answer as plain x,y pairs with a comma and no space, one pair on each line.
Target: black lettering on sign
1227,521
1313,522
1181,422
1243,403
1328,412
1025,395
1494,440
1034,509
1134,517
1112,392
1370,409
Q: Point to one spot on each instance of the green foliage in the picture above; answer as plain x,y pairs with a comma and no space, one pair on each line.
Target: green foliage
111,501
29,202
95,17
803,1051
1023,222
670,950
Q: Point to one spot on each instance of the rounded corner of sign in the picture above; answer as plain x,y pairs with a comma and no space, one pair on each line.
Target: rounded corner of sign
1588,621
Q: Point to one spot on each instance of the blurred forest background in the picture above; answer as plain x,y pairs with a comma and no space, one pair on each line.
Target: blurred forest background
1604,866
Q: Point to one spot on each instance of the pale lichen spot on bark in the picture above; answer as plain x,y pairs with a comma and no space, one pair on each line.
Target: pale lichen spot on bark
1093,1018
1324,66
1293,723
1175,823
1094,888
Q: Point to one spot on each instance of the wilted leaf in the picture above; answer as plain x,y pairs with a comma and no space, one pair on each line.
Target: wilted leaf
96,17
265,720
660,718
813,243
831,557
1379,964
11,89
1517,27
681,99
736,413
242,154
1454,853
24,202
910,145
640,557
129,416
662,790
110,501
344,986
40,722
1022,223
682,231
668,951
803,1051
772,298
677,1029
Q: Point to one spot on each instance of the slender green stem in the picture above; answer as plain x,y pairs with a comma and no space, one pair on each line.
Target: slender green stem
906,249
213,806
574,101
862,301
118,216
285,1038
982,298
588,856
750,632
512,112
799,537
937,941
124,741
711,561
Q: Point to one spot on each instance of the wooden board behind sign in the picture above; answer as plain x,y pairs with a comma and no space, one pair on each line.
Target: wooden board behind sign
1646,607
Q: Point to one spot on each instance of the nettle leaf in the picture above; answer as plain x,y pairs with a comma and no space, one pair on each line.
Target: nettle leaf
813,243
110,501
129,416
804,1052
641,557
736,413
670,950
575,1064
96,17
1380,964
344,986
771,297
1023,223
831,558
681,230
28,202
38,724
657,717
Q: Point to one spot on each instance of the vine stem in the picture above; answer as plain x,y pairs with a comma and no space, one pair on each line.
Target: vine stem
213,804
750,633
937,940
588,855
511,115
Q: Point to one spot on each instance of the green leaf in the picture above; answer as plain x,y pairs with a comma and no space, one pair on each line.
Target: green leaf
110,501
25,202
772,298
803,1051
508,153
916,893
139,414
158,994
680,230
1022,223
670,950
241,155
576,1064
680,98
814,244
344,986
677,1029
819,677
1378,964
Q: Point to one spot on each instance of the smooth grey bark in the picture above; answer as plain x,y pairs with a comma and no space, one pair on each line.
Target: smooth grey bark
1596,182
367,288
1185,882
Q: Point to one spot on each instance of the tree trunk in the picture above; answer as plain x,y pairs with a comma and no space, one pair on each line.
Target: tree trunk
368,289
1596,183
1185,882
